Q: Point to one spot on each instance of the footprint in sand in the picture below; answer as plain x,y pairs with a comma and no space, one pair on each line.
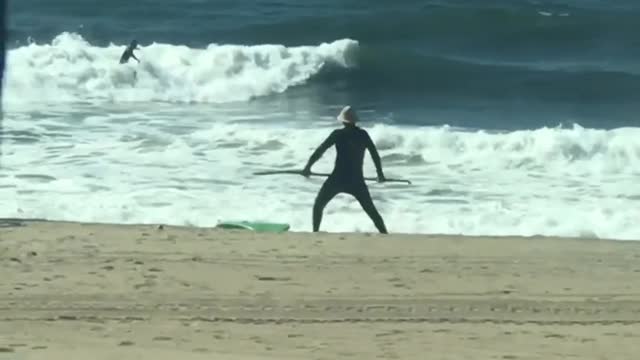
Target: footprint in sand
162,338
397,282
148,283
220,335
272,278
257,339
393,332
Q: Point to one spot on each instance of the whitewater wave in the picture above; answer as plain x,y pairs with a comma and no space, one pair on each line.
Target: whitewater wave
71,69
551,181
575,151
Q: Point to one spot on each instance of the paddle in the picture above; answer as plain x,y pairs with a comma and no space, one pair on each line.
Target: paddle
299,172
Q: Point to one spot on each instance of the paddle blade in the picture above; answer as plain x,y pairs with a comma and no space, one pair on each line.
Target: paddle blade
299,172
278,172
398,180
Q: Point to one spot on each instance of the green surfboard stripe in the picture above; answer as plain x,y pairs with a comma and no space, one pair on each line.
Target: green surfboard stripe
256,226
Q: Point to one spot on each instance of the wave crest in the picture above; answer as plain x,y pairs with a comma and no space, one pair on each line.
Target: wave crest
71,69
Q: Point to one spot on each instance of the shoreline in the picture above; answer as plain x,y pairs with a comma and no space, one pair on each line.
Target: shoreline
9,221
86,290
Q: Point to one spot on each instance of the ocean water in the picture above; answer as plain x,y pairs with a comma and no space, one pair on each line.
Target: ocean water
510,117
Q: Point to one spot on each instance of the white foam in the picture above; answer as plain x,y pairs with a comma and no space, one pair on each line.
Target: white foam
152,168
71,69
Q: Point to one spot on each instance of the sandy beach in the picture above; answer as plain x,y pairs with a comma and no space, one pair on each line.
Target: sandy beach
98,291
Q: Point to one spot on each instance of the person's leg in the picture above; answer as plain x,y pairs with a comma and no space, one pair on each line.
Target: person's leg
328,190
361,193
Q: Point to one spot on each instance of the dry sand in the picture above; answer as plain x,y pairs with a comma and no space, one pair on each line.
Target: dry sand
91,291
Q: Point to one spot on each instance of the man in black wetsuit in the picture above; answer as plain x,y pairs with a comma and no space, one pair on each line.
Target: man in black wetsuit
351,142
128,52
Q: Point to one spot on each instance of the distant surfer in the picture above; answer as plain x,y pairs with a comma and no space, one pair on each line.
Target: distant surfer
351,142
128,52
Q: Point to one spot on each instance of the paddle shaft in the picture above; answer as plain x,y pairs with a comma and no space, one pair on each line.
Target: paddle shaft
299,172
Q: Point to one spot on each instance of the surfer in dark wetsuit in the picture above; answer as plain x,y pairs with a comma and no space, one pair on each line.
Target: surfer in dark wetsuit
351,142
128,52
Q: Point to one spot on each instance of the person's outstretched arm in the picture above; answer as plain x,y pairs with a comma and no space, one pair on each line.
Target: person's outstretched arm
371,146
317,154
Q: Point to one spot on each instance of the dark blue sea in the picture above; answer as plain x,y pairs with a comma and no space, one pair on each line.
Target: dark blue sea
482,64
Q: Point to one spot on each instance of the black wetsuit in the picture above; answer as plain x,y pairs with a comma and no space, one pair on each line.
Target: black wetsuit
128,53
347,177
